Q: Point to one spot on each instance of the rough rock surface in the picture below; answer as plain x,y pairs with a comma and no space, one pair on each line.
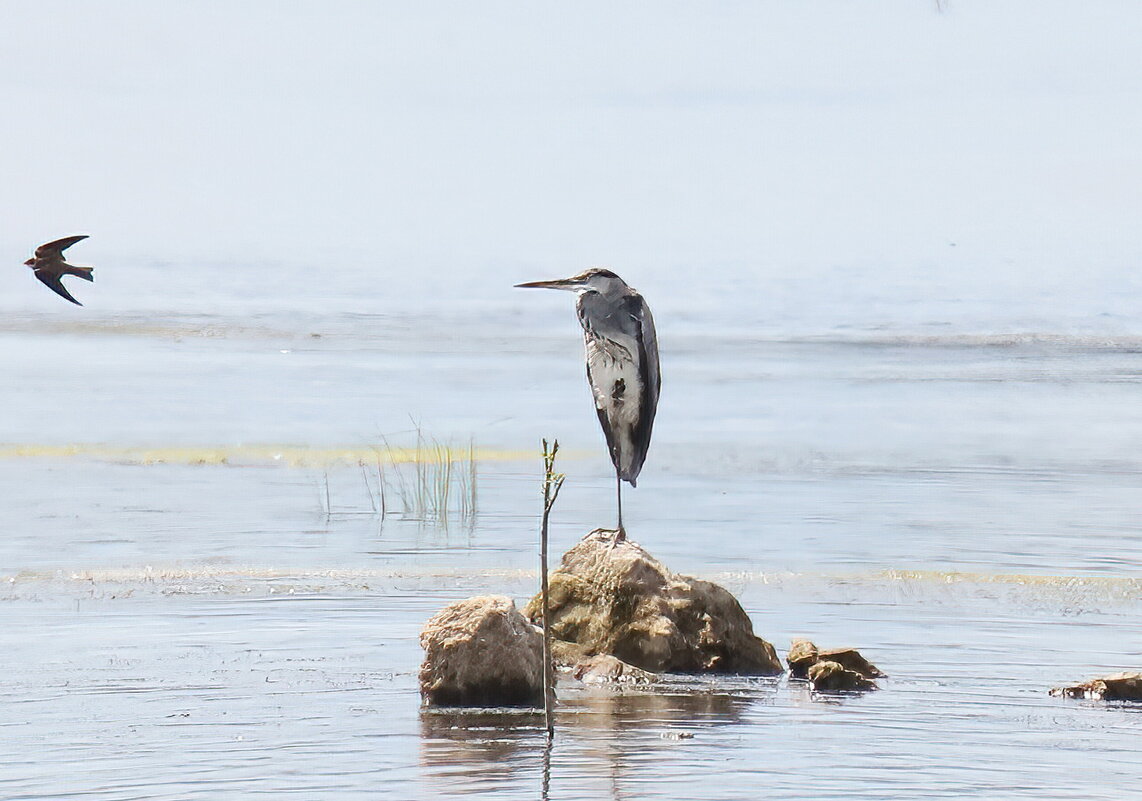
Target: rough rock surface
1117,687
617,599
481,652
829,676
804,654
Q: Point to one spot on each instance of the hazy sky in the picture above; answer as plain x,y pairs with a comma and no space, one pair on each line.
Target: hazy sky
480,137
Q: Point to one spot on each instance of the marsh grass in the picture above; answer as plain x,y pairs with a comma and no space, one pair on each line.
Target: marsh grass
433,482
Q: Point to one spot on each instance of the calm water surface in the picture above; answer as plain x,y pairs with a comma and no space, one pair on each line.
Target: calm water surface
958,500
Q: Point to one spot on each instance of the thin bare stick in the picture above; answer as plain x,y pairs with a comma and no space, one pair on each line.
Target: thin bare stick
328,505
552,483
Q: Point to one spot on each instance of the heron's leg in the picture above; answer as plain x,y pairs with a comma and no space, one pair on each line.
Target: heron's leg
621,533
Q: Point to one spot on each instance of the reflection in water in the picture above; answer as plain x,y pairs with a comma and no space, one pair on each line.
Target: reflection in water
545,785
610,721
472,750
469,748
673,704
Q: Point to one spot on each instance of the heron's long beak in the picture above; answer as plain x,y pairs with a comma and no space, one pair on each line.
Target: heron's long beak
560,283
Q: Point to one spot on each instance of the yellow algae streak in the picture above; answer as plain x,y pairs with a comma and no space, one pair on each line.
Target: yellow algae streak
258,455
174,329
1073,592
165,573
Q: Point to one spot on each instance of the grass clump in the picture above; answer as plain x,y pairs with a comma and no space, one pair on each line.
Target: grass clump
432,481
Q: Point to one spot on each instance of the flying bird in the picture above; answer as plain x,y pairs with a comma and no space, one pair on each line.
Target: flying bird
50,268
622,366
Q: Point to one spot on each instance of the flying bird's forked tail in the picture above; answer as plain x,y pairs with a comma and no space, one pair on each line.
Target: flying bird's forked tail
80,272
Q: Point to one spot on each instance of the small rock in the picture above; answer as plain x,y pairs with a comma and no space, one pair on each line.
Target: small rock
617,599
804,654
851,659
1126,686
606,669
596,668
828,676
481,652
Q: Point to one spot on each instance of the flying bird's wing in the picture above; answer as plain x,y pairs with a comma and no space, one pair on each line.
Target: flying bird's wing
56,248
52,281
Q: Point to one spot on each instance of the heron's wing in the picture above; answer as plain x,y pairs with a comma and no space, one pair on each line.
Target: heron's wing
649,373
56,248
648,339
53,282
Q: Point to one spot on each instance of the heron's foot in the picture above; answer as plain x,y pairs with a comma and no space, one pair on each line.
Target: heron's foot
620,535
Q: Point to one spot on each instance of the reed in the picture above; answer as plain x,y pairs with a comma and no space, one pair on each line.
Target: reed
437,484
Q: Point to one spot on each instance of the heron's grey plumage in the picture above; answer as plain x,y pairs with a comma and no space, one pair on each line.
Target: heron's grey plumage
622,364
622,369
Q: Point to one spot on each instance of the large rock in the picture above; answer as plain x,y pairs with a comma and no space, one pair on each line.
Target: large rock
481,652
617,599
1116,687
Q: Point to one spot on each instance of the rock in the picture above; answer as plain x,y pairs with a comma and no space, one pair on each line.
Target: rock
481,652
596,668
804,654
1125,686
607,669
829,676
851,659
618,600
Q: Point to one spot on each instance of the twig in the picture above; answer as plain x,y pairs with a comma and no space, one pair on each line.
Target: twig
552,483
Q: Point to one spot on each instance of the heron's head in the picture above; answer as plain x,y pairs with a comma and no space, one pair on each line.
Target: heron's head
596,279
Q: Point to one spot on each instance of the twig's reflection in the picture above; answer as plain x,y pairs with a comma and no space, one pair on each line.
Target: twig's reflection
545,782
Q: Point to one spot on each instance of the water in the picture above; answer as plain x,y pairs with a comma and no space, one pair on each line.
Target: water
892,254
959,506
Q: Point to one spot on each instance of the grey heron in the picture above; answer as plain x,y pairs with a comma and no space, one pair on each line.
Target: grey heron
622,366
49,266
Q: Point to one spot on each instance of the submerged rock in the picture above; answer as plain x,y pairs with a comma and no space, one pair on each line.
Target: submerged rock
481,652
829,676
607,669
1126,686
617,599
803,655
597,668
